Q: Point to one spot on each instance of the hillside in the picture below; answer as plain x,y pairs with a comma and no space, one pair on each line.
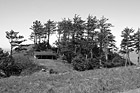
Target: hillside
67,80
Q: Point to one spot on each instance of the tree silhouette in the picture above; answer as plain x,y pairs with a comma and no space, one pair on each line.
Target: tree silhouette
127,43
105,37
78,32
37,28
14,39
136,42
91,26
49,28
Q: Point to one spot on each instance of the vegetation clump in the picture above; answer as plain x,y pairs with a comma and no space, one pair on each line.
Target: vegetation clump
7,65
85,44
16,65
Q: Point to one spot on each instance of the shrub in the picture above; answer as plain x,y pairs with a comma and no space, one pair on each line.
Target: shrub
16,64
26,65
9,66
68,55
6,63
80,63
94,63
13,70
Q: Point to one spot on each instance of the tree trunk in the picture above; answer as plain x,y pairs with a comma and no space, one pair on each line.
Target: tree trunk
91,53
138,57
100,52
35,39
48,41
126,60
139,50
11,52
73,42
58,50
106,57
86,56
129,59
39,39
106,53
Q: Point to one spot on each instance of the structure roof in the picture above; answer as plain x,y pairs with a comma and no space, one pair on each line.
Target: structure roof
45,53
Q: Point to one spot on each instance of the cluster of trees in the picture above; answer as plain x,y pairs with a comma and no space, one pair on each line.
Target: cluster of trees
77,34
90,38
81,42
7,63
41,34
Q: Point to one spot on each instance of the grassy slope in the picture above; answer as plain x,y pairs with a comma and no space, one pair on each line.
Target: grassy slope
98,81
94,81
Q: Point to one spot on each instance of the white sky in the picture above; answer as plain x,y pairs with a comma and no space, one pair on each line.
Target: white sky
20,14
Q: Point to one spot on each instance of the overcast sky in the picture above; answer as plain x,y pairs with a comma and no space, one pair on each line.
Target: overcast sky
20,14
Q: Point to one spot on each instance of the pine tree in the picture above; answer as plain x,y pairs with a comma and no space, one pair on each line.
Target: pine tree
37,28
105,37
127,43
49,28
14,39
136,38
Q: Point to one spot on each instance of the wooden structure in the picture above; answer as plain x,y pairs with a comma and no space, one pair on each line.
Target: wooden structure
45,55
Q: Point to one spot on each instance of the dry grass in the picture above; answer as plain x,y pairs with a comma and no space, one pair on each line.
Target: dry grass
97,81
93,81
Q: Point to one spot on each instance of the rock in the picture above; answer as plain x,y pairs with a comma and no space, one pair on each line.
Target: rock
44,70
53,72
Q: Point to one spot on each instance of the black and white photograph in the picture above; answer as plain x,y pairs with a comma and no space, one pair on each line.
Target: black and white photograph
69,46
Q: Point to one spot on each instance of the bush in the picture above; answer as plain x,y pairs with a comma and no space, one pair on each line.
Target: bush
16,65
13,70
80,63
94,63
68,55
26,65
9,66
6,64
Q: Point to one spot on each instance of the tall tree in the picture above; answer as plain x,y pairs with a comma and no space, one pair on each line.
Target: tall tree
127,43
78,31
37,28
14,39
91,26
103,36
136,38
64,29
49,28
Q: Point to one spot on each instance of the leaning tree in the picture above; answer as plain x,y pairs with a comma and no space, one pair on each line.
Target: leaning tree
14,39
